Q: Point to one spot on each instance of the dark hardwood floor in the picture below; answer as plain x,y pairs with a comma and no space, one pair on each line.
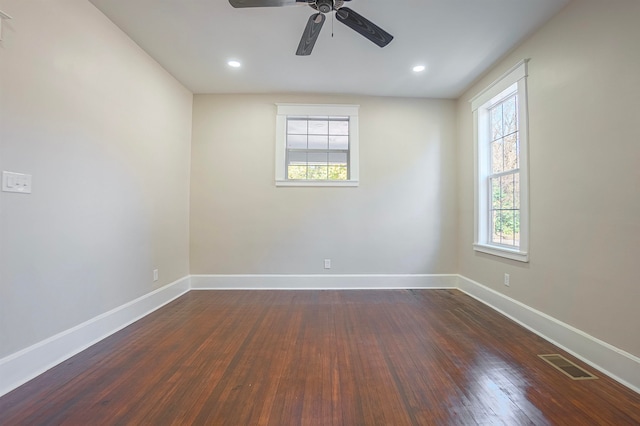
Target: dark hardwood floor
397,357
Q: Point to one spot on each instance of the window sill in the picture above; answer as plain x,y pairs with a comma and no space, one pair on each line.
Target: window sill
520,256
317,183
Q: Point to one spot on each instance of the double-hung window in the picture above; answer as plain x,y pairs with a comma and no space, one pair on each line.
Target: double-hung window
501,193
317,145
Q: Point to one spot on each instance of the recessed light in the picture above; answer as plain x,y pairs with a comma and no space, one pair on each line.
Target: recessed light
419,68
234,64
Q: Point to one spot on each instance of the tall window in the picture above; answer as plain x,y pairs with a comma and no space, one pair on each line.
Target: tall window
500,127
317,145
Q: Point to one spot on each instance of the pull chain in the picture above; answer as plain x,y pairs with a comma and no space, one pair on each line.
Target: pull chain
332,18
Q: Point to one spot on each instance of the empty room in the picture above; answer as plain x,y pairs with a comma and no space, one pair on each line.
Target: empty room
323,212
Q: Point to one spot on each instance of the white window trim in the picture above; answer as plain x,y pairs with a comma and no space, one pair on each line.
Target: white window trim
479,106
285,110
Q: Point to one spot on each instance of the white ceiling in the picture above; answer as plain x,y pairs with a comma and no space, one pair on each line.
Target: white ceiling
458,40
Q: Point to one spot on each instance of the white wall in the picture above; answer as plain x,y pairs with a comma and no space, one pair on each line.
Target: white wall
400,220
105,132
584,88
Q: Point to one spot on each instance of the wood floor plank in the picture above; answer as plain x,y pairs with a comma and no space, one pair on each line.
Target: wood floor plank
394,357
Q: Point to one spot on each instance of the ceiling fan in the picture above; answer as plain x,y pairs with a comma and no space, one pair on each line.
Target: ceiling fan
345,15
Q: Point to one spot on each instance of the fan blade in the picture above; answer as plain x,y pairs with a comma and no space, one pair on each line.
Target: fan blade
363,26
265,3
310,34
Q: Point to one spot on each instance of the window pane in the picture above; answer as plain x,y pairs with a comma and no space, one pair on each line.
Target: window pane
318,142
509,116
511,152
497,157
318,158
297,127
337,172
339,142
317,172
338,127
317,127
495,194
496,226
506,192
496,122
297,172
297,141
516,190
297,158
507,227
338,158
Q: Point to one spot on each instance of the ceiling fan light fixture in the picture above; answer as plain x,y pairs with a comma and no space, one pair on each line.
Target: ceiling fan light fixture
234,64
419,68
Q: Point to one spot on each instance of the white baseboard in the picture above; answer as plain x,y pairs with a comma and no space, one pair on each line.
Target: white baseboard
20,367
322,282
615,363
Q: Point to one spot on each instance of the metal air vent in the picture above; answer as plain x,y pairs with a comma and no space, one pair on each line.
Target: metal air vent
567,367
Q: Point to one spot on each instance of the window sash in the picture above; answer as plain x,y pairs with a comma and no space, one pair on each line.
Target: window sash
328,151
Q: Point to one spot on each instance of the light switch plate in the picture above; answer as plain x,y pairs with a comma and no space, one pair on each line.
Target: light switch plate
16,182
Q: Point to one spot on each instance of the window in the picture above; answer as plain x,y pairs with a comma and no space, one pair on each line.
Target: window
501,193
317,145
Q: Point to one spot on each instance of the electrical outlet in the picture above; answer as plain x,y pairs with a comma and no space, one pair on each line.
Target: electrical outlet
506,280
327,264
16,182
155,275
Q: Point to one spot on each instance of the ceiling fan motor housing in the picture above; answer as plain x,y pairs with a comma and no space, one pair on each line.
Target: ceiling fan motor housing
325,6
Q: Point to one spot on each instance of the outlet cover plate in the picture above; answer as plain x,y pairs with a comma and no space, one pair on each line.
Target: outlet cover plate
16,182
